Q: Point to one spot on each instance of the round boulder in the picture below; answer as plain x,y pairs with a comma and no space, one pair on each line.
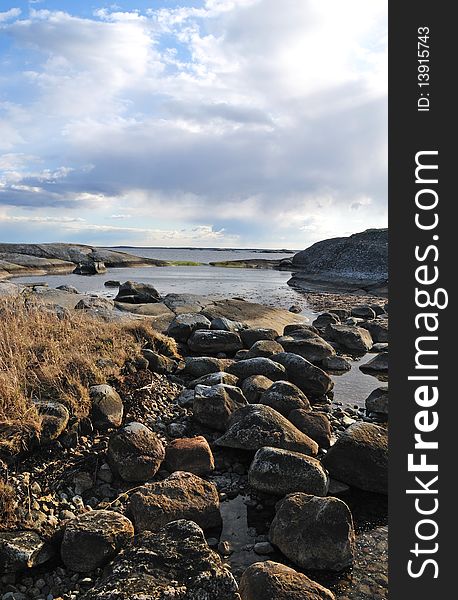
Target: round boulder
314,532
107,406
314,424
135,452
94,538
264,348
258,366
281,472
284,397
253,387
184,325
54,419
213,406
253,335
312,380
214,341
189,454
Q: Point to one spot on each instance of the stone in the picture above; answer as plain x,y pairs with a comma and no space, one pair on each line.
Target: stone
21,550
312,380
213,406
158,363
253,387
224,324
336,364
378,330
314,424
280,472
193,455
378,365
299,327
199,366
269,580
350,338
132,292
380,347
184,325
107,406
54,419
360,458
284,397
181,496
264,548
82,482
314,532
112,283
175,562
215,341
363,312
307,344
95,304
325,319
258,366
252,335
257,425
67,288
92,539
135,452
214,379
377,401
265,348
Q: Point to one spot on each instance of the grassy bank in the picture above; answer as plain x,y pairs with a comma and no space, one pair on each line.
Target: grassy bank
44,356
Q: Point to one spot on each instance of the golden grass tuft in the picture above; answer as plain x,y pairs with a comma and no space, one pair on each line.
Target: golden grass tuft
44,356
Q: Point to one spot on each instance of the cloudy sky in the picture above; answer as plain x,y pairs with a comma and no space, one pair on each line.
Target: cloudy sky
249,123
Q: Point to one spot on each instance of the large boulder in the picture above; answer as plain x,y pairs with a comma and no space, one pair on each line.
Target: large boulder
253,387
159,363
350,338
257,366
360,458
312,380
273,581
284,397
363,312
132,292
214,341
193,455
107,406
214,379
307,344
135,452
175,563
314,424
265,348
281,472
198,366
181,496
184,325
213,406
378,330
377,401
20,550
314,532
256,334
257,425
92,539
376,366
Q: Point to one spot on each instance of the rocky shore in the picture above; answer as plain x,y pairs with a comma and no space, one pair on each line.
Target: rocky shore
227,411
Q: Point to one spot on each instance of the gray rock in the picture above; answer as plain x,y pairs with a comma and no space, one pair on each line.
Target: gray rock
21,550
336,364
214,379
135,452
256,334
258,366
256,426
284,397
280,472
380,347
193,455
312,380
314,424
176,563
360,458
132,292
377,401
363,312
54,417
213,406
224,324
295,328
273,581
107,406
378,365
95,304
92,539
158,363
213,341
184,325
314,532
253,387
378,330
264,348
199,366
325,319
181,496
350,338
308,345
67,288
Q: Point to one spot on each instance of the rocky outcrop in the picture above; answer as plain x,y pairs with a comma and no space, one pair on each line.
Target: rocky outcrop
359,261
40,259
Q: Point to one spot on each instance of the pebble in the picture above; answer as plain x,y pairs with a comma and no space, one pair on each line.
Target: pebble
263,548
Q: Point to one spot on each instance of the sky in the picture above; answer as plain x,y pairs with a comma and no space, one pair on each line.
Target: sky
228,123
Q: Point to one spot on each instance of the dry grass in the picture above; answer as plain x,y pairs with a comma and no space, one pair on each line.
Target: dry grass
43,356
7,506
